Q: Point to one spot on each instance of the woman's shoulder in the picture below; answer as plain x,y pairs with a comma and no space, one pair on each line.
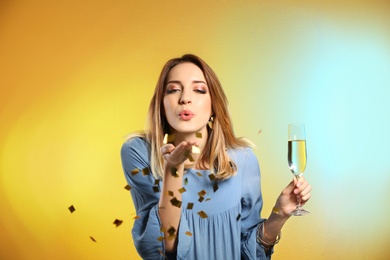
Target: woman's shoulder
136,143
242,153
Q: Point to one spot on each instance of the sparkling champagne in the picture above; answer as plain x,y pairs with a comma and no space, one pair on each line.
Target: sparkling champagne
297,156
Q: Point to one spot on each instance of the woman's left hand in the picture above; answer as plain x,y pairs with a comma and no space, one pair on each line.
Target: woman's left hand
288,199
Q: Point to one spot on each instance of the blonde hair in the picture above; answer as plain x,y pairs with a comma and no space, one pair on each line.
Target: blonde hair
220,137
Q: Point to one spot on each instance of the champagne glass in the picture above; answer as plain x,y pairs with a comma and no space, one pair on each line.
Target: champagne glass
297,157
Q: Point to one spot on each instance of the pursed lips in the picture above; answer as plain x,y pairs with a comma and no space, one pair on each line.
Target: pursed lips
186,115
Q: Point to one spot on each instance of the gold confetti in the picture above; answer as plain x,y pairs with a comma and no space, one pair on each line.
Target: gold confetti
259,131
212,176
118,222
71,209
199,174
185,181
201,199
231,164
188,233
215,187
92,239
208,199
191,158
134,172
195,149
156,182
202,193
128,187
182,189
160,238
238,217
156,189
145,171
169,193
174,172
198,135
190,205
172,233
171,137
162,229
137,217
165,141
175,202
202,214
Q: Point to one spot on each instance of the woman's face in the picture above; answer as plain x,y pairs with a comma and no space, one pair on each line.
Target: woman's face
187,102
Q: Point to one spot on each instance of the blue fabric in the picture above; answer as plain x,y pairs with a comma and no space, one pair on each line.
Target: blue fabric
233,210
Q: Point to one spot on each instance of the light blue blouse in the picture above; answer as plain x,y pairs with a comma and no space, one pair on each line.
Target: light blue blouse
223,219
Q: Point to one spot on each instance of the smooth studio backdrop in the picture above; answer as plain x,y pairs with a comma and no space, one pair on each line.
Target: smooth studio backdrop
77,76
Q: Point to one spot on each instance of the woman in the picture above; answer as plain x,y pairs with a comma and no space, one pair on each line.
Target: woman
195,186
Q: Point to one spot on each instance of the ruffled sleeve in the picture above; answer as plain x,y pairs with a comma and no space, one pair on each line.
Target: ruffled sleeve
251,203
146,229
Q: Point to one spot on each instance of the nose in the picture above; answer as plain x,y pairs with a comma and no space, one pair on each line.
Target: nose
184,99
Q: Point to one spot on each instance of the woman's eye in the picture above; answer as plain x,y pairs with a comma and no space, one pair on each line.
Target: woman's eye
172,90
200,91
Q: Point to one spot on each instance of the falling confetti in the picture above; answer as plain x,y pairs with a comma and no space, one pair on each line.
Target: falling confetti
199,174
137,217
134,172
172,233
174,172
238,217
128,187
186,181
188,233
212,176
201,199
156,189
181,190
92,239
71,209
202,193
145,171
215,187
259,131
165,141
198,135
118,222
160,238
175,202
195,149
202,214
190,206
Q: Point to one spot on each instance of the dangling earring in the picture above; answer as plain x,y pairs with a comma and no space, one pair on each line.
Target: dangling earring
210,122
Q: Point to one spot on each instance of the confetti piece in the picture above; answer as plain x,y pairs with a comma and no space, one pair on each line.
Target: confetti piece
169,193
156,189
199,174
188,233
190,206
259,131
165,141
145,171
175,202
238,217
201,199
182,189
156,182
134,172
161,252
231,164
171,137
118,222
202,214
137,217
208,199
174,172
212,176
215,187
162,229
195,149
128,187
202,193
198,135
71,209
160,238
172,233
191,158
92,239
185,181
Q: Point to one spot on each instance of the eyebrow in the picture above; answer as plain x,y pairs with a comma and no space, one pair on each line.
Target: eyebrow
179,82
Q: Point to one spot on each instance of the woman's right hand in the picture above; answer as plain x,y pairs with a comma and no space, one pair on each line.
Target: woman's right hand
176,155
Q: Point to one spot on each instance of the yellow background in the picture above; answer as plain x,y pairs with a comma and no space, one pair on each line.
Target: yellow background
77,76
